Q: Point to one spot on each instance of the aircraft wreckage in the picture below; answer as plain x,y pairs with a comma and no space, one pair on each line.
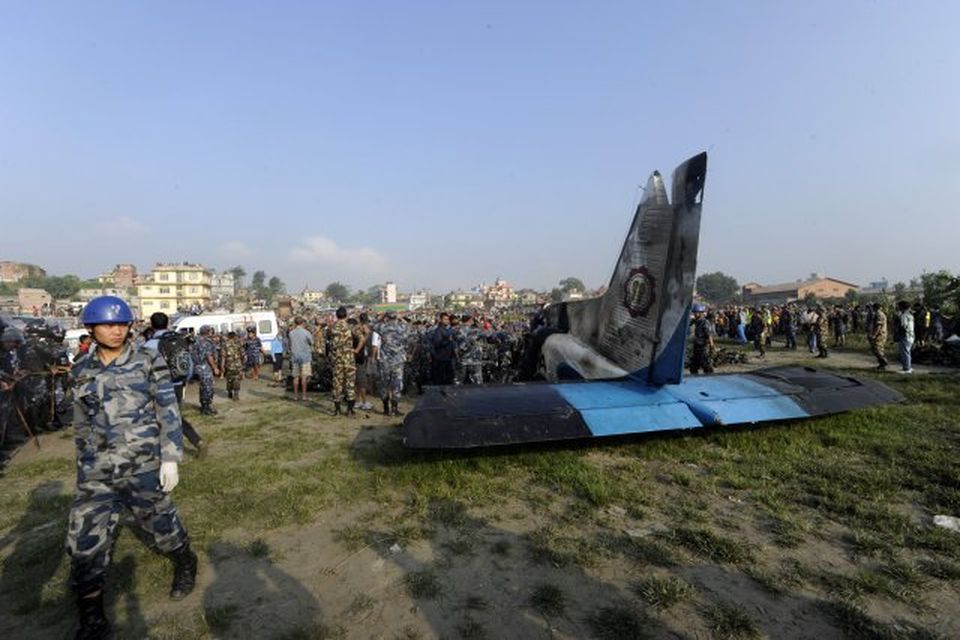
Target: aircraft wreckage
613,365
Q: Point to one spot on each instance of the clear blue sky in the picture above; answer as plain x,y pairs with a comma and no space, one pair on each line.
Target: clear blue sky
442,144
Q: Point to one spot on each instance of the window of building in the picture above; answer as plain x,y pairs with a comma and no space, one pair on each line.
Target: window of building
163,276
193,289
164,304
164,289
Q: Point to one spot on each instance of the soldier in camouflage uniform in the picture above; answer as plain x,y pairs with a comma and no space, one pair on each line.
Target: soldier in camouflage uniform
205,366
392,355
344,363
421,354
821,325
878,335
233,364
702,341
469,352
129,443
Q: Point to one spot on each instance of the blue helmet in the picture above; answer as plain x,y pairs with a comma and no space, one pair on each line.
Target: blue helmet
698,308
106,310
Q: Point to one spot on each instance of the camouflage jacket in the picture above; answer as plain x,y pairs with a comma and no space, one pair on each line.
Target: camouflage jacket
880,327
202,348
125,415
232,356
469,347
341,342
393,345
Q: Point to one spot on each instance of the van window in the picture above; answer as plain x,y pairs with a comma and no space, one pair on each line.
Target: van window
224,327
238,327
264,326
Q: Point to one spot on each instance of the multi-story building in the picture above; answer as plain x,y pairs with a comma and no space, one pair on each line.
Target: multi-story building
16,271
499,294
311,296
418,300
459,299
223,285
123,276
388,293
175,287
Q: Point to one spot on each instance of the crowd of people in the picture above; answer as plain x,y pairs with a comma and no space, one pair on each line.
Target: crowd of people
821,327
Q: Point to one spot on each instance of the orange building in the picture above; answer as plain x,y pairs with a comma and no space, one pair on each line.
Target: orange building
822,287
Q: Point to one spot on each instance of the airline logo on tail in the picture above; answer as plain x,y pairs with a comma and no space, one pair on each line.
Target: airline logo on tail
639,292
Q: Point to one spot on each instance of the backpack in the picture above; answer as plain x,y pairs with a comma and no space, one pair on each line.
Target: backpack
175,349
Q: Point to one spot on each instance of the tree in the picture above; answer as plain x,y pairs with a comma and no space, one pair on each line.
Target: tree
556,295
572,284
937,287
717,287
59,287
238,274
900,291
276,286
337,292
259,277
369,297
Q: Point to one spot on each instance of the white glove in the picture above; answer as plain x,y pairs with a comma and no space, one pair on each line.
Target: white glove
168,476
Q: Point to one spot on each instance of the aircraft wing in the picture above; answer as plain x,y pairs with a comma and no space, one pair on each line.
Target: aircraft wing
463,417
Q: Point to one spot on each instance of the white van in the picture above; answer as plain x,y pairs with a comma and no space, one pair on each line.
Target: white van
264,321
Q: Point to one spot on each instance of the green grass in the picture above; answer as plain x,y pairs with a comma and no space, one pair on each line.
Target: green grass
729,621
710,545
663,593
865,483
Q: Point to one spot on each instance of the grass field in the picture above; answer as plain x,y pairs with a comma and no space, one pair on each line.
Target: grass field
311,526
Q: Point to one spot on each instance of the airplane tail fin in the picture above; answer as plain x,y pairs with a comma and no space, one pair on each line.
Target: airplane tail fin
641,322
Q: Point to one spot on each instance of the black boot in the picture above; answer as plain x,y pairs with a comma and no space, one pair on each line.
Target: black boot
93,623
184,572
336,408
350,404
386,407
396,408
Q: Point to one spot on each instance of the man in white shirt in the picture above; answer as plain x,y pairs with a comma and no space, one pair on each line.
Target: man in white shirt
905,335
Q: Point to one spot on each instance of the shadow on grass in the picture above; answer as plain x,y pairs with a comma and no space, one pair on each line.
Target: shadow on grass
37,541
251,597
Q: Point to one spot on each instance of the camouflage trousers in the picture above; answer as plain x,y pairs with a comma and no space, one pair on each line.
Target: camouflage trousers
390,380
700,359
205,374
95,514
233,379
876,348
344,381
472,371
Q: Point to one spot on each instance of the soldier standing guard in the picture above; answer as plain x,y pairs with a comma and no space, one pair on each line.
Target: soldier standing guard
233,364
129,443
205,366
878,336
702,342
344,363
393,353
820,328
469,353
